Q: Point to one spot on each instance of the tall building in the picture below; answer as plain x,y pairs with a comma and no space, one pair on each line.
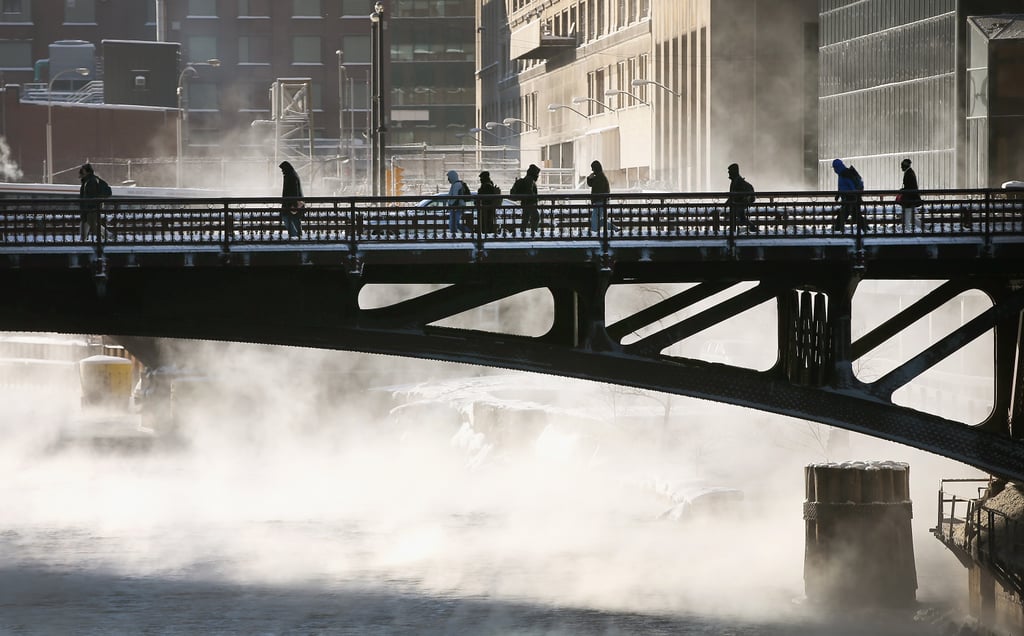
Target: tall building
665,93
894,84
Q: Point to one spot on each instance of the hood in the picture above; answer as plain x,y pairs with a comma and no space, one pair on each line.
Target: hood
838,165
453,176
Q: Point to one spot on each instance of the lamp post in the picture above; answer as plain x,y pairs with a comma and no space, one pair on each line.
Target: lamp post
378,25
49,117
642,82
508,121
583,100
342,77
611,92
189,70
553,107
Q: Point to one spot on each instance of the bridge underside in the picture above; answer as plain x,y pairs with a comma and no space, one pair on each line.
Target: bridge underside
812,377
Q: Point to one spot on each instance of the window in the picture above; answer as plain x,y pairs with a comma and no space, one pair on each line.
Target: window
202,8
254,49
306,49
356,48
202,96
80,11
254,8
202,48
306,8
17,11
15,54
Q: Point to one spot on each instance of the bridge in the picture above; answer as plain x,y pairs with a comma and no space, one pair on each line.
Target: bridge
223,269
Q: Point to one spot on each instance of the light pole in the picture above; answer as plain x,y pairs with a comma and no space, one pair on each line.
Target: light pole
611,92
508,121
641,82
553,107
377,27
189,70
49,117
583,100
342,77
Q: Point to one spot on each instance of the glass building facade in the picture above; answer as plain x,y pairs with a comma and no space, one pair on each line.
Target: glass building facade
891,80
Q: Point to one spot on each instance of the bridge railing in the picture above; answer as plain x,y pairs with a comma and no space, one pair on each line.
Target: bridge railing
645,216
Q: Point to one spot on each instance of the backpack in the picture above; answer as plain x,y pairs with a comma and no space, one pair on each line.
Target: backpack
103,188
745,186
858,183
464,189
520,187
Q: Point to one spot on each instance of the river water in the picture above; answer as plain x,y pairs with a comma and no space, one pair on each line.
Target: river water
269,526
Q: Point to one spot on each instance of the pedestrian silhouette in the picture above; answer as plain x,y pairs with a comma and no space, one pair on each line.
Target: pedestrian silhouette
487,202
524,190
292,206
850,187
457,194
91,193
599,191
741,197
909,196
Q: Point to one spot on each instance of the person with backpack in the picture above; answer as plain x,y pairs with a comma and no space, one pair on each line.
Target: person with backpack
741,197
487,202
850,188
456,201
599,191
93,189
524,190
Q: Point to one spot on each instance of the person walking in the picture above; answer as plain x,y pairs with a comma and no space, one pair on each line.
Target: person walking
909,196
456,201
90,192
487,202
599,191
741,196
292,206
850,186
524,190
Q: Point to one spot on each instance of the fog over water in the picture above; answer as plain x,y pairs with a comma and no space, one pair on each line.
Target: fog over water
302,502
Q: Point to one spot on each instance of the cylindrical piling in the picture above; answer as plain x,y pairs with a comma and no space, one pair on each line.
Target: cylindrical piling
859,546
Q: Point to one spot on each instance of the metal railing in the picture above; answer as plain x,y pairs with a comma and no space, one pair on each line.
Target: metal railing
989,536
985,215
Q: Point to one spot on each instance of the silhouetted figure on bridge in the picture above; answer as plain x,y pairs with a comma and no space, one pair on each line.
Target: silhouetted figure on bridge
741,197
599,191
456,202
487,202
850,188
92,190
292,208
909,196
524,190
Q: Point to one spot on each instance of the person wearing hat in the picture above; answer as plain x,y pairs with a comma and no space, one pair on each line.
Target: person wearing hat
909,197
487,202
524,190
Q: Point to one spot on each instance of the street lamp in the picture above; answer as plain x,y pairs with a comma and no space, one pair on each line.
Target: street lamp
487,129
641,82
342,77
553,107
583,100
611,92
508,121
189,70
49,117
377,27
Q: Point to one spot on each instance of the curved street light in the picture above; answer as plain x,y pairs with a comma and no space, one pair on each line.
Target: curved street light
642,82
508,121
611,92
553,107
583,100
188,71
81,70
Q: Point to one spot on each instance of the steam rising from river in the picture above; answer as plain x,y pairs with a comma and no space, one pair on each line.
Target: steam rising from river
295,475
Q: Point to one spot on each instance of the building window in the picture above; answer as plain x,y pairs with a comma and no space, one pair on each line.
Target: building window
254,49
306,8
306,49
254,8
202,96
80,11
202,8
17,11
355,8
15,54
202,48
356,48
